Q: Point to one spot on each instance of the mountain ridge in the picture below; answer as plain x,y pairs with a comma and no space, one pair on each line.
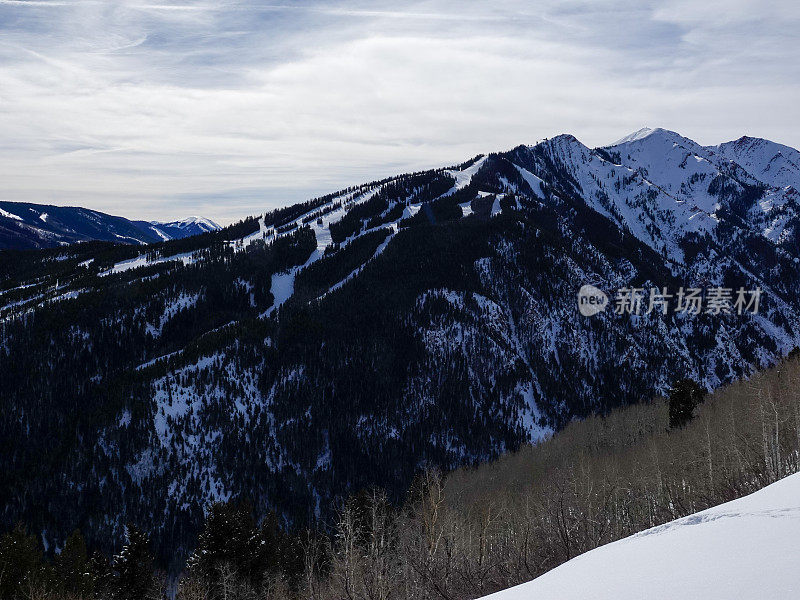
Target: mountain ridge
25,225
428,318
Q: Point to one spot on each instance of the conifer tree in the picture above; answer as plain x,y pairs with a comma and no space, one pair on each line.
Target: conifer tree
73,567
226,545
232,543
684,397
133,568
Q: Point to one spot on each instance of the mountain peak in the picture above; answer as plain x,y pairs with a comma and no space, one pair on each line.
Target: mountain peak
564,142
773,163
202,222
632,137
647,132
193,220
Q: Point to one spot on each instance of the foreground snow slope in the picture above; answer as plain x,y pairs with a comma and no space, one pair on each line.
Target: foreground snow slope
745,549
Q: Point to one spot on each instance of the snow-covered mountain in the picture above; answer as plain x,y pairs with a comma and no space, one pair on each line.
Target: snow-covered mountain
24,226
174,230
774,164
425,318
745,549
701,179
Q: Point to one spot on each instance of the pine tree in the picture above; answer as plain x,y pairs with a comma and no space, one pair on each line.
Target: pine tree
684,397
231,543
226,543
73,567
133,568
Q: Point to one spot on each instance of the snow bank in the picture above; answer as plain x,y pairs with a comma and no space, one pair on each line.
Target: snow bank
745,549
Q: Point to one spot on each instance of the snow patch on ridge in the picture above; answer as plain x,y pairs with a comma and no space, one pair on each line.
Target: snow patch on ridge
632,137
533,181
9,215
464,177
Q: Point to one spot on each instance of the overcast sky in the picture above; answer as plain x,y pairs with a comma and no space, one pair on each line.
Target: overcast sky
227,108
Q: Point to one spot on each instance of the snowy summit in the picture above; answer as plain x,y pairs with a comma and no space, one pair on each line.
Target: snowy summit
636,135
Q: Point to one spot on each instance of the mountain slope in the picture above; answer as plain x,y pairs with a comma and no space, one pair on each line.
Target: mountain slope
28,226
429,318
746,549
774,164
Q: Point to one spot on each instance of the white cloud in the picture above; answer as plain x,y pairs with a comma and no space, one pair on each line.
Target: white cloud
154,110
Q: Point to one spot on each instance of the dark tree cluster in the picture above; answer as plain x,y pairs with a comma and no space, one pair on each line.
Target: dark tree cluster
387,203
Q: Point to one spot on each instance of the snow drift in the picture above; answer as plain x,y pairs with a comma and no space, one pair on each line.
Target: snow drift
745,549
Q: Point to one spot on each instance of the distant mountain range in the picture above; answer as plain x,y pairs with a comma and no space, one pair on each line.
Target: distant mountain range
27,226
427,318
175,230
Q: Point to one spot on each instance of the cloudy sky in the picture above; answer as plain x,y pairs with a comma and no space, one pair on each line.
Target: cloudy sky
226,108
